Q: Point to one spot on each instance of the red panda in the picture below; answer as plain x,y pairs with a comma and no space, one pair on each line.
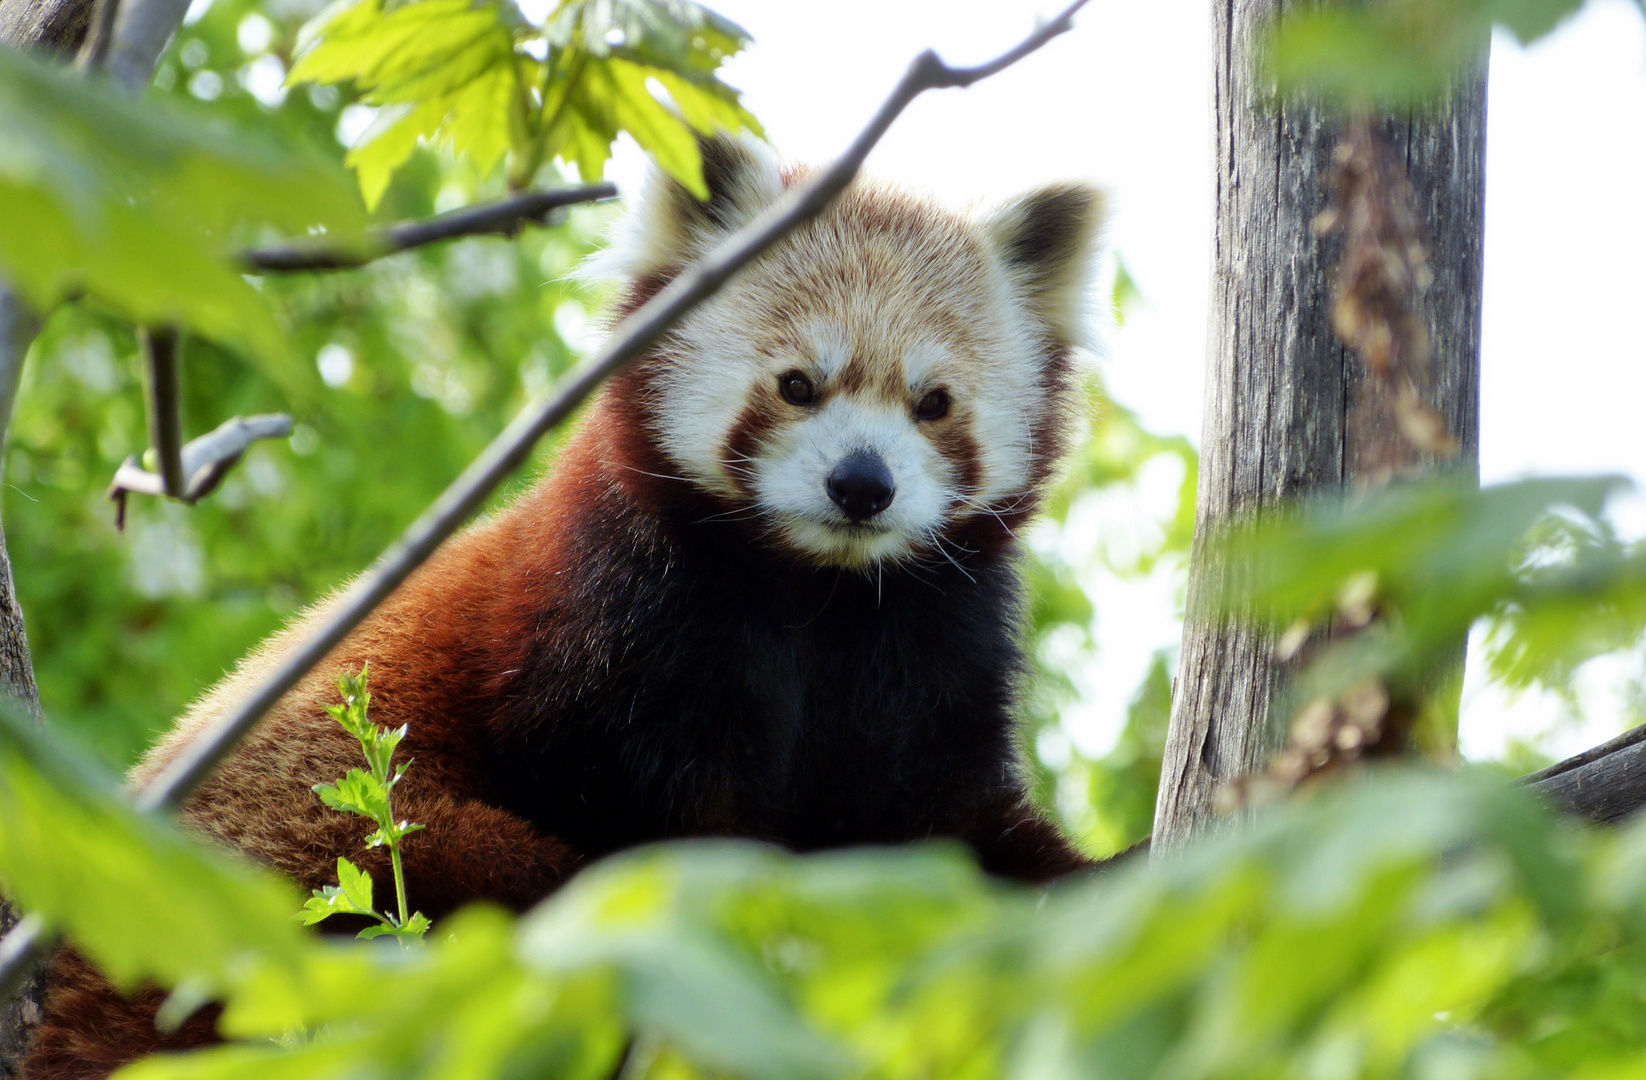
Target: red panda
769,589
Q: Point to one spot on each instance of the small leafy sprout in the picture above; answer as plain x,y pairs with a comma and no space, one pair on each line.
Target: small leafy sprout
368,794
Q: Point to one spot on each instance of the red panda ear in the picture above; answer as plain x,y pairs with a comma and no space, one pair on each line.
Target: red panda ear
668,226
1048,240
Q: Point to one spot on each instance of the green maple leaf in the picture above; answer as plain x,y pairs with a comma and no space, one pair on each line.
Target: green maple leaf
465,74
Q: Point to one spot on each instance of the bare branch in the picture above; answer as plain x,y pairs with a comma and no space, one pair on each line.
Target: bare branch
1603,784
187,473
163,395
202,463
505,217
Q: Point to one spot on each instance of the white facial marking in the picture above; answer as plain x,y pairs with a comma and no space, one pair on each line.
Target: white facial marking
831,350
920,308
791,481
923,365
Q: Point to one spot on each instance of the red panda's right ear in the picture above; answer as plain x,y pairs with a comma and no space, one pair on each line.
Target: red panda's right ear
668,226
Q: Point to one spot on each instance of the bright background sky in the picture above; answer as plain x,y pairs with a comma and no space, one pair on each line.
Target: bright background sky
1124,100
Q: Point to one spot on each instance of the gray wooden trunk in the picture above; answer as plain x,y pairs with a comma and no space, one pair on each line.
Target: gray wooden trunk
1278,381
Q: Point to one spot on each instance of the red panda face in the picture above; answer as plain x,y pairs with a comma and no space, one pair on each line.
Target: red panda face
885,374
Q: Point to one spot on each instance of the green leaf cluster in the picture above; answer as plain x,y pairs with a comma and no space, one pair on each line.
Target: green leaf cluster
443,346
138,203
492,85
369,793
1536,558
1395,52
1412,924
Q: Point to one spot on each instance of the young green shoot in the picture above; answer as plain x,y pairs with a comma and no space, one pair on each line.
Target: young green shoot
369,794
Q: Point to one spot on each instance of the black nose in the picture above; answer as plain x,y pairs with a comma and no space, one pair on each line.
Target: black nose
861,485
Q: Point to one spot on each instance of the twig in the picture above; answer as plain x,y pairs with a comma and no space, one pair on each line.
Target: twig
163,396
203,462
644,326
505,217
187,473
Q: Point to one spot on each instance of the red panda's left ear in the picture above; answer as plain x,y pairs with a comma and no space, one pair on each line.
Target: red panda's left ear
1048,240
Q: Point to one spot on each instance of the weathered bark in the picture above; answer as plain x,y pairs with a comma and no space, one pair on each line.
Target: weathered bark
56,26
1604,788
19,1014
1279,383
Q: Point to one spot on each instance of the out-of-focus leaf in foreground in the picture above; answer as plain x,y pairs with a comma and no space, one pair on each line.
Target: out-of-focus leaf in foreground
141,900
1394,52
137,202
1434,558
1397,920
496,86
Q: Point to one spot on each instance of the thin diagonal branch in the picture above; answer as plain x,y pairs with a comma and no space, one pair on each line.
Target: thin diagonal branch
1594,753
505,217
631,338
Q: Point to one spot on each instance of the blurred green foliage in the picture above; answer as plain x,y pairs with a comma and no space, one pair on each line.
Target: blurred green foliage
496,86
1538,559
1409,924
399,375
1395,52
137,204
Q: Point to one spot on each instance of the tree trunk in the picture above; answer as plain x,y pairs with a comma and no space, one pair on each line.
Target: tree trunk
19,1014
1280,383
57,26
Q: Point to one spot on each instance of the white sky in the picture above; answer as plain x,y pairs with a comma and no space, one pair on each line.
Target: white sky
1124,100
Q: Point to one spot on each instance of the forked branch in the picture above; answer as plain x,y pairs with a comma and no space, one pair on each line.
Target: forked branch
186,473
202,463
505,217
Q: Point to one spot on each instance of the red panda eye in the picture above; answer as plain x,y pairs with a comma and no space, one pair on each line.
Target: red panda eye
796,388
934,406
